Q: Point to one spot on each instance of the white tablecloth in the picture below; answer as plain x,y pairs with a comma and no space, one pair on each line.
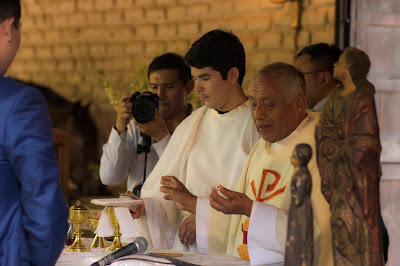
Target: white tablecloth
87,258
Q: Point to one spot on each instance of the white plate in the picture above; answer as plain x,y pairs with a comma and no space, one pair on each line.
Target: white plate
116,202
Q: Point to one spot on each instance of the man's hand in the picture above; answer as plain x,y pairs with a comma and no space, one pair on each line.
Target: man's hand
177,192
155,128
234,203
187,230
123,113
140,210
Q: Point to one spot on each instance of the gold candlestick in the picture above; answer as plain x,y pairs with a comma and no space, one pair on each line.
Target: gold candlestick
77,215
116,244
98,241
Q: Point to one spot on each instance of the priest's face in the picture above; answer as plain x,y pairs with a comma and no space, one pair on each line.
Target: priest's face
212,89
274,117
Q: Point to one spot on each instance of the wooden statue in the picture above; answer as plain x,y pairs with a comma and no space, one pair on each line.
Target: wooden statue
348,154
300,242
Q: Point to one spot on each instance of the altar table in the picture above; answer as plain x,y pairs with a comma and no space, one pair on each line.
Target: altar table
87,258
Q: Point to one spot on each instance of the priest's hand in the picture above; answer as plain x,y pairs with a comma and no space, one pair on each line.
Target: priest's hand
177,192
140,210
231,202
187,230
136,210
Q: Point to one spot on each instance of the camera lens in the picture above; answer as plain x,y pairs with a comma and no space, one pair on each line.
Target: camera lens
143,111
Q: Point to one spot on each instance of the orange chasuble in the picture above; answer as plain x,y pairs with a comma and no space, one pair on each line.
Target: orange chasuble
267,174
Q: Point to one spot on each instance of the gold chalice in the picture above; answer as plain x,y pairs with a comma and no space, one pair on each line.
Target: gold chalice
77,215
98,241
116,244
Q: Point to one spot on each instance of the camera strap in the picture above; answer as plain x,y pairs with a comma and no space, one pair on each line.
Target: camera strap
143,147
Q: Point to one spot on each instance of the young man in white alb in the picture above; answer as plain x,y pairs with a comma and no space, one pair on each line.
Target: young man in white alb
208,148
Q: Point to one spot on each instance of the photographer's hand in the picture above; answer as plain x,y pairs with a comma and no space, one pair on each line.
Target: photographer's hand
155,128
123,113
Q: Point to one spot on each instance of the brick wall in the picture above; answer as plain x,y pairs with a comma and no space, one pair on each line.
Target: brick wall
66,43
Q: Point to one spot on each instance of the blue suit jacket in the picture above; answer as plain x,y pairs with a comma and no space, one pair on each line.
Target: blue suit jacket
33,214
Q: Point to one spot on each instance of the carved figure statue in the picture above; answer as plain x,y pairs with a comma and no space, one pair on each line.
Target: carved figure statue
348,155
300,242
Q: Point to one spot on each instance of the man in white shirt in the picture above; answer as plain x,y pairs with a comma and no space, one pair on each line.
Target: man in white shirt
258,230
170,79
208,148
316,63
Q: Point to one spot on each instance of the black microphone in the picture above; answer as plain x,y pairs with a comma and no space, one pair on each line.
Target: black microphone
139,245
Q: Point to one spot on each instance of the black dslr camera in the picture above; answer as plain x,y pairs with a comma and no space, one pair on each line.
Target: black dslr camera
144,106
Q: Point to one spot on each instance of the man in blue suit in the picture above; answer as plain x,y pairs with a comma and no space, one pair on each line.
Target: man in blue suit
33,223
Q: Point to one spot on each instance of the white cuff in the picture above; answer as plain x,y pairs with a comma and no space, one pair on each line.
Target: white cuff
203,209
116,138
262,240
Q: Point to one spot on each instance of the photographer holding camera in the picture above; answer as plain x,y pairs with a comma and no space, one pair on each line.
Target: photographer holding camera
157,117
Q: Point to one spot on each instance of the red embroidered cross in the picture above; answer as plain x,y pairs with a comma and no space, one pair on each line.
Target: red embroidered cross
270,187
244,234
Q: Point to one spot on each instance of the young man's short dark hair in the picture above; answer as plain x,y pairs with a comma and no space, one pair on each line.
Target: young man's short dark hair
171,61
10,9
220,50
322,55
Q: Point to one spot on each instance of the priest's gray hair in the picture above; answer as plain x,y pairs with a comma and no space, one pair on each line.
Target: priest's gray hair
292,80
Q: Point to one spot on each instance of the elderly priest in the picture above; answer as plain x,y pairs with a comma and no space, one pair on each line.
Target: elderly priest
258,230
